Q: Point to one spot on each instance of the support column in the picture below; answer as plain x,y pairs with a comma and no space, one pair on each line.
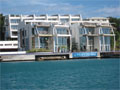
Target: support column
53,40
38,42
103,43
114,43
57,42
70,44
87,43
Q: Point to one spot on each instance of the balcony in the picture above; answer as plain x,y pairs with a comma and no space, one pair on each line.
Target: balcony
8,44
45,33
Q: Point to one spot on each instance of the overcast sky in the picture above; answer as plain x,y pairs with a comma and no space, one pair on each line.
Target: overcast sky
87,8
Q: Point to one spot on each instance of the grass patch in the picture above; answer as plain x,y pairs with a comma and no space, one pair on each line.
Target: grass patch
38,50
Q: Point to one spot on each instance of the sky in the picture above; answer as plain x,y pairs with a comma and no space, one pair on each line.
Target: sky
87,8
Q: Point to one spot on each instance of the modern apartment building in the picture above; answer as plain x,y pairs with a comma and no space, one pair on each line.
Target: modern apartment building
93,34
52,36
12,22
52,32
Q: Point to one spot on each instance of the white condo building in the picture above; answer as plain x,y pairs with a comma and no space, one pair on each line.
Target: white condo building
93,34
48,35
55,31
12,22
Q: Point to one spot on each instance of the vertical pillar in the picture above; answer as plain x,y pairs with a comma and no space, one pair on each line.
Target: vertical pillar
58,17
53,38
34,17
99,44
57,42
87,43
114,39
103,43
81,17
70,44
69,19
114,43
46,17
38,42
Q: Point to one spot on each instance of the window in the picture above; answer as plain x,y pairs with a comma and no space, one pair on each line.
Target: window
83,42
14,26
62,41
64,20
107,40
25,33
75,19
15,44
82,31
90,30
44,42
101,39
52,19
27,22
42,30
14,33
36,42
15,20
1,44
62,31
33,33
91,40
105,30
8,44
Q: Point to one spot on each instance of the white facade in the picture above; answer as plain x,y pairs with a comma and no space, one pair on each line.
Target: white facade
72,22
8,46
12,22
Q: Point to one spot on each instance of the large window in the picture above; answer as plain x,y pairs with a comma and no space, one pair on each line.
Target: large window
42,30
62,41
101,39
90,30
14,33
107,43
107,40
15,20
33,31
36,42
44,42
91,43
75,19
14,26
62,31
64,20
82,31
83,42
91,40
105,30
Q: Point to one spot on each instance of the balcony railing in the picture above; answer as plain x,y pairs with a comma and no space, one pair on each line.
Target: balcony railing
8,44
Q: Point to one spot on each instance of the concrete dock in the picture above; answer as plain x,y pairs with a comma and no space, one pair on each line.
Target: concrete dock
38,56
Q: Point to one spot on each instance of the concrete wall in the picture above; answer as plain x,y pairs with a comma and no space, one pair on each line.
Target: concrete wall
18,58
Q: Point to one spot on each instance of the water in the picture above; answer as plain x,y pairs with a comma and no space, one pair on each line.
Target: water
82,74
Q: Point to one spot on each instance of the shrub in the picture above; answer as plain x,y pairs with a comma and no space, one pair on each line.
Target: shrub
38,50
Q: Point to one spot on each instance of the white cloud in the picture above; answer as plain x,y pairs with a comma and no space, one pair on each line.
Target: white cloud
110,11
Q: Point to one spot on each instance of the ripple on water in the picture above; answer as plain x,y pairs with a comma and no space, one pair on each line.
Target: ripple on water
61,75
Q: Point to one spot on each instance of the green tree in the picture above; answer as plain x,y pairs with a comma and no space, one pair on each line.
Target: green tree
116,24
1,27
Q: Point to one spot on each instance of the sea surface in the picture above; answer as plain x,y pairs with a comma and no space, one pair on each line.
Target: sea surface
76,74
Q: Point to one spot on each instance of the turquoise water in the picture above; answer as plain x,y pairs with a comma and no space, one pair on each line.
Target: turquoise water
77,74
